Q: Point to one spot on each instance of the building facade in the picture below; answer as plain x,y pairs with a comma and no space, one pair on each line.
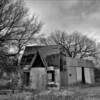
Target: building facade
46,66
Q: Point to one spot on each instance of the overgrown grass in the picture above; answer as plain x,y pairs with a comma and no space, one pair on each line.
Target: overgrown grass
56,95
38,96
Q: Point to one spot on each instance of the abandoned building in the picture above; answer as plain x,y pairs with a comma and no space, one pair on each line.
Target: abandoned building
45,66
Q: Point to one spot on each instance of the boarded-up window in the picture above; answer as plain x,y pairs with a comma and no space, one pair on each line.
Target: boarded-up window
51,76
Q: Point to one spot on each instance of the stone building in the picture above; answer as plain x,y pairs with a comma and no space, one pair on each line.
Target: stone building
47,66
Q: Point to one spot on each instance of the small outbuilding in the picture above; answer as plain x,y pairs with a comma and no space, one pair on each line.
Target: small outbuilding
46,66
78,71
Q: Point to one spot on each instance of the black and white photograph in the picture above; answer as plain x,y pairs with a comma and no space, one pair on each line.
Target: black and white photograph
49,49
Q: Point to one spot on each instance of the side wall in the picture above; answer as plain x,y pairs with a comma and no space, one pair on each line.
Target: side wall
63,79
68,76
38,78
72,75
92,75
79,74
89,75
57,77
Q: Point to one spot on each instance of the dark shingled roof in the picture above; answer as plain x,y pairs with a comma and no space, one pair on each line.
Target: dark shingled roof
51,56
44,50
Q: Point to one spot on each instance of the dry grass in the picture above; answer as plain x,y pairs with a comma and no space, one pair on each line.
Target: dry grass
87,93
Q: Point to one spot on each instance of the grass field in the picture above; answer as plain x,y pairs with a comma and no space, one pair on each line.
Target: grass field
75,93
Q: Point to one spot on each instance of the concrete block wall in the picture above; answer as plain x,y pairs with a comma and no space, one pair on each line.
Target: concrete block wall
38,78
57,78
79,74
63,79
72,75
87,74
92,75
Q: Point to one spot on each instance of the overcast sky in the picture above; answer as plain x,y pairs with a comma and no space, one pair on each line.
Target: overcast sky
68,15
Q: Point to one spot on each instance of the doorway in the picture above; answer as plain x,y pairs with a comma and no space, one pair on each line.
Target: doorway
83,76
26,78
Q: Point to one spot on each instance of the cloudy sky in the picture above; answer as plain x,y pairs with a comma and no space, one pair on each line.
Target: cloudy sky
68,15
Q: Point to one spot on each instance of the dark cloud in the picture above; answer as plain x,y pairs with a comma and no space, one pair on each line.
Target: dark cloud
82,15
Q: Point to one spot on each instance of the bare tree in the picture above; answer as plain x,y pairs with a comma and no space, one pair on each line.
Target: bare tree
16,27
75,45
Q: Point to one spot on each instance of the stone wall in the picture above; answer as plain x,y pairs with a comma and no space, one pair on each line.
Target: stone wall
72,75
57,78
63,79
88,78
79,74
38,78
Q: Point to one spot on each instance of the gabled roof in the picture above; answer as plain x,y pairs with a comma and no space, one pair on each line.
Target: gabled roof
41,57
44,50
34,59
